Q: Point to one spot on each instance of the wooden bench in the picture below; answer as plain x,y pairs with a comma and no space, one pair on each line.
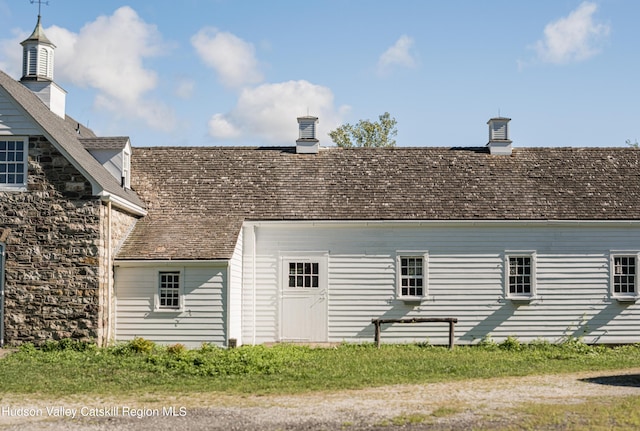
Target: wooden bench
451,320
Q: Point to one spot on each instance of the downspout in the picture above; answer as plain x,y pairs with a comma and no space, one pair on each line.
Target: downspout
110,275
228,310
254,281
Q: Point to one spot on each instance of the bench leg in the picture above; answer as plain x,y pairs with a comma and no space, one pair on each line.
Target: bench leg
451,334
377,335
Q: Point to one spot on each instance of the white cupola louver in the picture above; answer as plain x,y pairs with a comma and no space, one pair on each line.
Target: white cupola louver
307,143
37,70
499,142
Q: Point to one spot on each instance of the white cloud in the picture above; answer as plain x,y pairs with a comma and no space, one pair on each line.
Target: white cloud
184,88
11,52
398,55
573,38
107,55
231,57
268,113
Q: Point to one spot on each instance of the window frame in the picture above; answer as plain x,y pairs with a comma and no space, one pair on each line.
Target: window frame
304,257
305,272
424,255
623,296
157,296
17,187
530,254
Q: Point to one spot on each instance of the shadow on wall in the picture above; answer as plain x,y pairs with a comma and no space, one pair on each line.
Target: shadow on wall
592,326
488,326
398,310
581,328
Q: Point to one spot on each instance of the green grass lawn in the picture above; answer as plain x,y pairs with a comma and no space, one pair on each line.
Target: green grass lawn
138,367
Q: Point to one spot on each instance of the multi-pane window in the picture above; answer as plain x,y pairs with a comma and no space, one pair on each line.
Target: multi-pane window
624,275
13,166
411,276
169,290
304,274
520,275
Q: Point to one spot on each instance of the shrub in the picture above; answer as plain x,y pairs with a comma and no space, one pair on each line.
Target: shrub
510,343
576,345
176,349
141,345
137,345
487,342
27,348
67,344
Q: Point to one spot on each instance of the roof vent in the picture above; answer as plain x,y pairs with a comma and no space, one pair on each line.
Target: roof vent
499,142
307,142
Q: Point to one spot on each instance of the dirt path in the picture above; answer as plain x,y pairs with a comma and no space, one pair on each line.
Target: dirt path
455,405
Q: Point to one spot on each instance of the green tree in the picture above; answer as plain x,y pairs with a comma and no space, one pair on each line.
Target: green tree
367,133
632,144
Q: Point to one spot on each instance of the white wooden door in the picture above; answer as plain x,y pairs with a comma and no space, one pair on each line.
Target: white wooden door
303,314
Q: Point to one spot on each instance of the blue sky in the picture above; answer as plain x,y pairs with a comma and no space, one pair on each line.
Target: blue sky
233,72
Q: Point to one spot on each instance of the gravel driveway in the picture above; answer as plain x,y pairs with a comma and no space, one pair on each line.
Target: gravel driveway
438,406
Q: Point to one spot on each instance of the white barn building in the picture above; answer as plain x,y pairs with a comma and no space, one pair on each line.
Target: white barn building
265,245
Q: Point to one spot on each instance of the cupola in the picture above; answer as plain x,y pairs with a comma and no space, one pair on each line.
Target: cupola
499,142
37,70
307,142
37,56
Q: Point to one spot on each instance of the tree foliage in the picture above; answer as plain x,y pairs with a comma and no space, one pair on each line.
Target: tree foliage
366,133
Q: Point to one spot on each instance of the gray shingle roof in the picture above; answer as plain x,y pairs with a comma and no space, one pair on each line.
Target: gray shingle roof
198,198
105,143
63,135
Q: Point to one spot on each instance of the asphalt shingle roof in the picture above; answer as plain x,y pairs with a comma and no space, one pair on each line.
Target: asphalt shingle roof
198,198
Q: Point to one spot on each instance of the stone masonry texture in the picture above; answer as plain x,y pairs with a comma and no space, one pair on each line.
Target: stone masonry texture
52,231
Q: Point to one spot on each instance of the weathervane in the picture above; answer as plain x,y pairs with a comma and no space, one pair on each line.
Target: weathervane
40,2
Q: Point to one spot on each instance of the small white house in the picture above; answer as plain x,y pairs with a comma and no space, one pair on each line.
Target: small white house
268,244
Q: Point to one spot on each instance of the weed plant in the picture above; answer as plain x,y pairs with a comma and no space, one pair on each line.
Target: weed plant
141,366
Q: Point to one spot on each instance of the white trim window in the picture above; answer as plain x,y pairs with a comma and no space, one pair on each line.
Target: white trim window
520,276
411,275
169,295
303,274
13,163
624,276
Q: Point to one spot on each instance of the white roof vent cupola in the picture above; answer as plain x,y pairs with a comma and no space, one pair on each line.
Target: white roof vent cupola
499,142
307,143
37,57
37,70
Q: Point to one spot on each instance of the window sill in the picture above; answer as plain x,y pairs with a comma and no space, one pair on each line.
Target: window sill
626,298
414,299
168,310
522,298
9,189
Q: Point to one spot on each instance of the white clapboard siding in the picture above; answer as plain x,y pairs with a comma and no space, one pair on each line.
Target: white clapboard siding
465,271
12,121
203,319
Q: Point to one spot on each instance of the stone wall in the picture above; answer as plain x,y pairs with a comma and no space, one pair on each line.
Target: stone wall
52,287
